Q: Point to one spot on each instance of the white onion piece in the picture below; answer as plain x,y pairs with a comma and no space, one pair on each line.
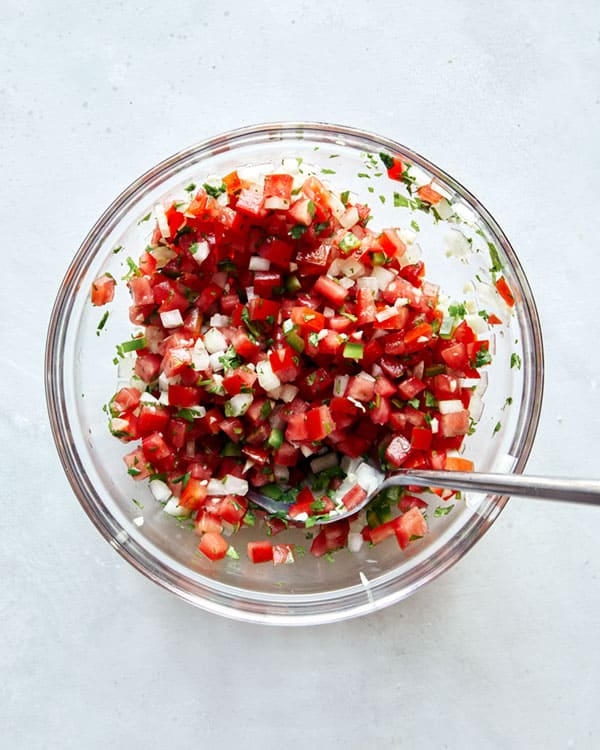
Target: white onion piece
456,244
161,219
335,267
476,407
215,361
328,312
266,377
419,370
450,406
250,293
323,333
119,425
349,218
281,473
220,321
229,485
200,357
200,252
355,541
384,277
148,398
443,207
259,264
346,283
369,478
171,319
214,341
337,207
368,282
164,398
340,384
412,255
162,255
275,393
240,403
408,236
160,490
306,450
321,463
352,268
172,508
275,203
126,367
419,176
350,465
288,393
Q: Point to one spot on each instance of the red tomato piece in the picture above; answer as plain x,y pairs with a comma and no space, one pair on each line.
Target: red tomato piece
331,290
397,451
103,289
260,552
409,527
213,545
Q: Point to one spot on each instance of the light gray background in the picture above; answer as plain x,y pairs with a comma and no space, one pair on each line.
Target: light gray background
502,651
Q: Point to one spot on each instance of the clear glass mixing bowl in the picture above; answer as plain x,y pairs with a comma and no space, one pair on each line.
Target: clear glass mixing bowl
80,377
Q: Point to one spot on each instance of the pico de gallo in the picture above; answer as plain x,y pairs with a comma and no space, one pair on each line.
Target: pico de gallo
285,345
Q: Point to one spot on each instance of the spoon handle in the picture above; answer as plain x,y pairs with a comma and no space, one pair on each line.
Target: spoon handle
542,488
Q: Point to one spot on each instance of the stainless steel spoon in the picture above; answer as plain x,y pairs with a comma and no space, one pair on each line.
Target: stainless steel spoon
541,488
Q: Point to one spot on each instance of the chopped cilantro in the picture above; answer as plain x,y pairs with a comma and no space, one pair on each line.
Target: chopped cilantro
457,310
442,510
400,201
497,428
363,174
483,357
515,361
190,188
328,171
231,552
102,323
415,226
145,218
321,226
230,359
297,231
118,249
483,314
388,161
184,479
344,197
215,192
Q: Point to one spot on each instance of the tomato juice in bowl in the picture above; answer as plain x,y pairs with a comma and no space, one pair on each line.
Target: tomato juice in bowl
460,243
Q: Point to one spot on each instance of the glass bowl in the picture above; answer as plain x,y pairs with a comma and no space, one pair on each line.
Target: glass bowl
81,376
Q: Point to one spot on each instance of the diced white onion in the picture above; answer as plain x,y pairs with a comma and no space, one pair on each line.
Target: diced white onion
161,219
259,264
323,333
162,255
384,277
435,425
275,203
476,407
346,283
200,357
275,393
288,325
288,393
229,485
281,473
355,541
345,487
476,323
340,384
369,478
328,312
368,282
171,319
352,268
450,406
148,398
220,321
464,213
337,207
172,508
349,218
306,450
301,517
160,490
366,376
419,370
119,425
266,377
321,463
239,403
201,251
443,207
412,255
408,236
256,172
164,398
250,293
214,341
215,361
386,314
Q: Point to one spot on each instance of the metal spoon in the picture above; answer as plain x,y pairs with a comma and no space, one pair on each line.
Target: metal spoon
541,488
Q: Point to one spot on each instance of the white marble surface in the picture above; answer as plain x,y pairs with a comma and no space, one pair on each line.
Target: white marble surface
502,651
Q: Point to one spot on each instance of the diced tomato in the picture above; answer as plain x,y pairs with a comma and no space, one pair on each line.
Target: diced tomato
207,522
428,194
457,423
308,318
397,451
410,387
331,290
266,283
283,554
152,418
504,291
458,463
213,545
125,399
354,497
366,308
396,170
421,438
136,464
193,494
278,185
410,526
407,502
319,423
184,396
103,289
360,388
155,448
278,252
260,552
250,202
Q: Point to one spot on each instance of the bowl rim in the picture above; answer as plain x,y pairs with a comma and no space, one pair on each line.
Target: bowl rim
275,611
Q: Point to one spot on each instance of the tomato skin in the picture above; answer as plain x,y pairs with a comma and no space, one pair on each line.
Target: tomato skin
396,170
456,424
103,290
421,438
397,451
136,464
213,545
260,552
263,309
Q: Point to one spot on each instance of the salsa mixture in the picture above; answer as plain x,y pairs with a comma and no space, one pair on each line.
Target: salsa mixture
283,345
